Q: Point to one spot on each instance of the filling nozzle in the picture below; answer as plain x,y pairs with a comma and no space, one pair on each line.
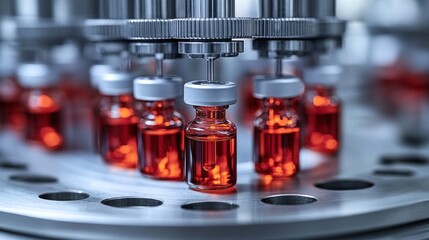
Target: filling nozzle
208,31
210,69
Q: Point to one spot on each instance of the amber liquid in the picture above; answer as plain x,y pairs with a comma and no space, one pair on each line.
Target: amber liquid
11,110
211,162
322,129
11,114
162,153
45,127
118,141
277,151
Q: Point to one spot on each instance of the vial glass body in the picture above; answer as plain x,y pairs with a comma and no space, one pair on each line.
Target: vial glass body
322,118
276,138
11,111
160,140
211,150
117,131
44,118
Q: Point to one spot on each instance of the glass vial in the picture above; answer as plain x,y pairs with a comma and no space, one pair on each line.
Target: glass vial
276,141
117,127
322,110
160,128
11,112
43,106
96,72
211,139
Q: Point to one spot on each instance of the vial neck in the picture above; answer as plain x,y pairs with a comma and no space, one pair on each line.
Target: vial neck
211,114
277,104
121,98
164,107
322,90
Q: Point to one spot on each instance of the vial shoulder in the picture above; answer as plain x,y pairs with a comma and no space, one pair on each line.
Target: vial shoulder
44,101
197,128
150,120
285,119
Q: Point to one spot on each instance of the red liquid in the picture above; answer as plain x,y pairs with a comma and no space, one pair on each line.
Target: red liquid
95,117
11,111
118,141
322,129
250,104
211,162
277,151
44,127
162,153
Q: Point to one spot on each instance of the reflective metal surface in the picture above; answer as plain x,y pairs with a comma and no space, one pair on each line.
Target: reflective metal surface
74,195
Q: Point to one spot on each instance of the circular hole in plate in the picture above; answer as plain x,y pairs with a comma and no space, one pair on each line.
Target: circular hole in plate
13,166
125,202
344,184
35,179
210,206
393,172
288,199
64,196
405,159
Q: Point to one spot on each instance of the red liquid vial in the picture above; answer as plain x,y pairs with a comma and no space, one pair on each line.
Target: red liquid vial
117,127
11,112
276,140
43,106
211,139
160,128
96,72
322,111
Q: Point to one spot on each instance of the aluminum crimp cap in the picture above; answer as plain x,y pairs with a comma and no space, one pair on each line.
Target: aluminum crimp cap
116,83
285,28
97,71
148,29
35,75
211,28
328,75
157,88
104,29
40,31
331,27
204,93
277,87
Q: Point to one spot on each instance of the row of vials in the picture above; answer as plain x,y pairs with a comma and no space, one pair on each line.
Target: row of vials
137,125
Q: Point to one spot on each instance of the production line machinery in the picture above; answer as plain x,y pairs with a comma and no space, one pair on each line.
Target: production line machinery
372,186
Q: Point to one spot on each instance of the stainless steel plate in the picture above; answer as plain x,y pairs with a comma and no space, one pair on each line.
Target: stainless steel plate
106,203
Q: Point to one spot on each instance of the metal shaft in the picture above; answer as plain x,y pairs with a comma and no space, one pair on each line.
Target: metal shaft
155,9
159,67
210,69
279,67
210,8
296,8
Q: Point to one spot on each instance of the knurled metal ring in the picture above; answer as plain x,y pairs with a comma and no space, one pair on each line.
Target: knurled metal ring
211,28
167,50
285,28
331,27
41,31
104,29
270,48
148,29
211,49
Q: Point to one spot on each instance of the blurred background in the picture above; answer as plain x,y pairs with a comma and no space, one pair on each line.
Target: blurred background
384,83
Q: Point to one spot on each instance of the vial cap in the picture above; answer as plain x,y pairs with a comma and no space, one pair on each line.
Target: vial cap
203,93
33,75
157,88
116,83
96,71
327,75
277,87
